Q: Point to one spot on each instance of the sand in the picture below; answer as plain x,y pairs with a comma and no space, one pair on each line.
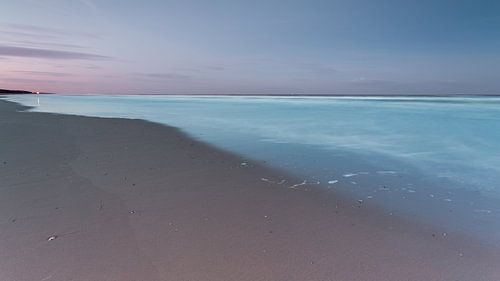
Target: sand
85,198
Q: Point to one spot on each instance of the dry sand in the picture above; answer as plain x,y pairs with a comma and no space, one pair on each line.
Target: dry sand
112,199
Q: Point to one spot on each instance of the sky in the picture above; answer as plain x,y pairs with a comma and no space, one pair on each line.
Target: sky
251,47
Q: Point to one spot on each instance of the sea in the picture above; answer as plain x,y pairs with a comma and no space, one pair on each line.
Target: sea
434,160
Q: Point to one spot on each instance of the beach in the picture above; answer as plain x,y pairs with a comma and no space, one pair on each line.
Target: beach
87,198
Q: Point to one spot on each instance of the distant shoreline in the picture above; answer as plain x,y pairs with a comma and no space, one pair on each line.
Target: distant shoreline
23,92
14,92
20,92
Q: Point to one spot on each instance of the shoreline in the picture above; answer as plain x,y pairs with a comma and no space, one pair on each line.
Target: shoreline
127,199
305,96
422,95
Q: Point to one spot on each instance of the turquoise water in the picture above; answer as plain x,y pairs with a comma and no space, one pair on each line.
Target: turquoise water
442,153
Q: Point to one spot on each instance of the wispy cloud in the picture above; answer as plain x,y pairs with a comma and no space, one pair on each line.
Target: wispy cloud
34,30
215,67
25,40
27,35
43,73
28,80
41,44
13,51
163,76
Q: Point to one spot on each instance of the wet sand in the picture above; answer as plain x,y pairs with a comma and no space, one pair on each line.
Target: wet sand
85,198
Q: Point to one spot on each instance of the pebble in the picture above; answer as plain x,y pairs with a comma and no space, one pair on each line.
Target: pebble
53,237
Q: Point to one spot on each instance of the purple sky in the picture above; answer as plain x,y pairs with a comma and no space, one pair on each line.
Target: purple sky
251,47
